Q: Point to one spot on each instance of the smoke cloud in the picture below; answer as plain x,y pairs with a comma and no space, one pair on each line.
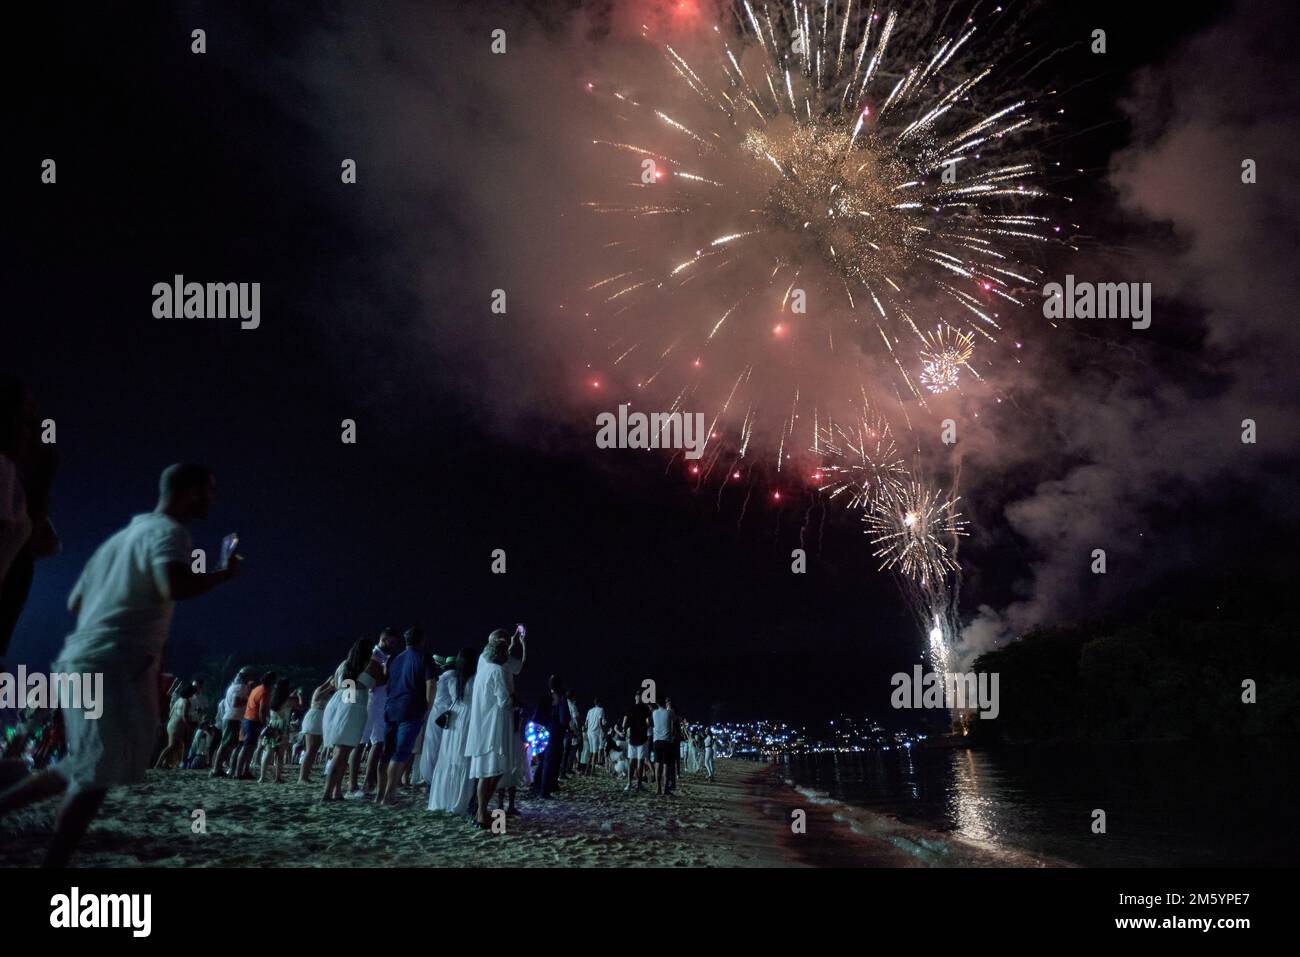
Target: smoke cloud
1109,424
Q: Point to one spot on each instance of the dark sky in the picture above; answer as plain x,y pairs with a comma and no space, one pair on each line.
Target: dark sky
174,163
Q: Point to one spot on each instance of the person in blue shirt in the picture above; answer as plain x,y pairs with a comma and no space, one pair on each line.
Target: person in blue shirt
412,679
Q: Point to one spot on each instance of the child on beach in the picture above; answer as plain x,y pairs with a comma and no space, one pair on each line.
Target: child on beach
275,737
200,747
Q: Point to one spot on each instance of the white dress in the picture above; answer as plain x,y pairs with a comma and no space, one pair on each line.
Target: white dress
313,722
490,746
443,698
520,774
345,719
451,787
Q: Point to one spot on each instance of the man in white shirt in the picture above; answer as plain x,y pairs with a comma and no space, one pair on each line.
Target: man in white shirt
662,720
123,602
387,647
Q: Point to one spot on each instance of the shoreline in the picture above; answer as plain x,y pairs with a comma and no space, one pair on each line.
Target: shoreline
845,835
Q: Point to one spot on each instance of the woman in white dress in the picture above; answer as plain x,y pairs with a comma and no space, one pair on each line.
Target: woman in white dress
313,727
443,697
345,715
490,745
450,787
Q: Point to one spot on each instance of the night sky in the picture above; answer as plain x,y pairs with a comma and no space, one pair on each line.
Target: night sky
220,168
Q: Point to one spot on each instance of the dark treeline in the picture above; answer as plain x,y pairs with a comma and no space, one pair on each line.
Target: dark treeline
1174,669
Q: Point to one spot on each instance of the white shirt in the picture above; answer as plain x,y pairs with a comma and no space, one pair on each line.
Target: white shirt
513,667
124,613
489,710
230,707
663,724
595,717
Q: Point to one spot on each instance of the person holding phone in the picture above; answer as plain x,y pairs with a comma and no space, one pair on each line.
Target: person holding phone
123,601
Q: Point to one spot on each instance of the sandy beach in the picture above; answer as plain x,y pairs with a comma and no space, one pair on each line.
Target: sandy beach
707,824
741,819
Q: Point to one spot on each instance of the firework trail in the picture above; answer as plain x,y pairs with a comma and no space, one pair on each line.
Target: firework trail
827,206
922,553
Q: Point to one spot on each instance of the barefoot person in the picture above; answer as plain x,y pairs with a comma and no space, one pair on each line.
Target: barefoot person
490,745
388,645
411,686
232,718
345,715
256,712
313,727
275,737
123,602
178,727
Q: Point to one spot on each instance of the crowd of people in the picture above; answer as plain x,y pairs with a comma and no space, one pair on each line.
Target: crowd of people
452,729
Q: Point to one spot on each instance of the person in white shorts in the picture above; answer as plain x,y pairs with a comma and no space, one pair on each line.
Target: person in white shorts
123,602
637,724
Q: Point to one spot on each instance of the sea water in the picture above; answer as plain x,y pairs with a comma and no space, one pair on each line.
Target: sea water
1176,804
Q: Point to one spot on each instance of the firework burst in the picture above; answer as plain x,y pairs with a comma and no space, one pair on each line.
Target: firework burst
915,533
816,185
862,461
944,354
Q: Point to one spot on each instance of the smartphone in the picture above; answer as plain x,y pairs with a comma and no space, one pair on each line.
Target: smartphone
229,545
